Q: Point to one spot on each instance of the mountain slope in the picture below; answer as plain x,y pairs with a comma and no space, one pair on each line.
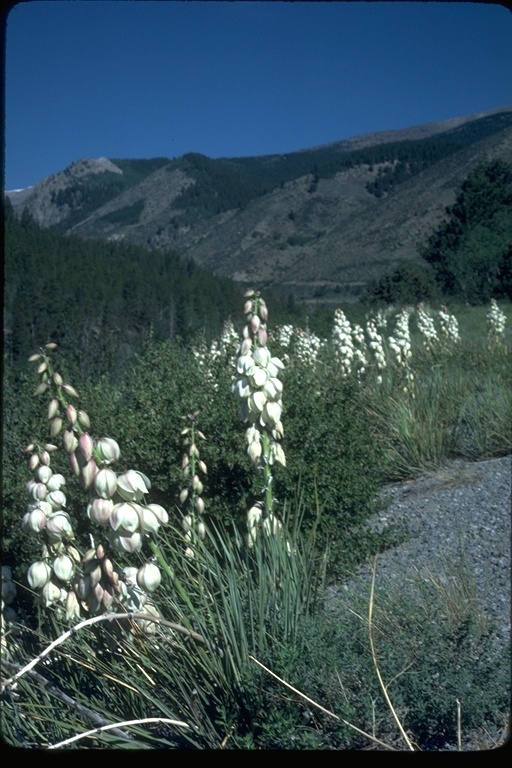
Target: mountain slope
305,223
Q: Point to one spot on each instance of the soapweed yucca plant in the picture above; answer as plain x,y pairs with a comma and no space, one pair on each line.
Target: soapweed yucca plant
178,661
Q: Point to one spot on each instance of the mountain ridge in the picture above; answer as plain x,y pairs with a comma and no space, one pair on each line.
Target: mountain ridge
321,223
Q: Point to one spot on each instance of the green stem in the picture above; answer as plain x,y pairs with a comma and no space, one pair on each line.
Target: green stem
267,475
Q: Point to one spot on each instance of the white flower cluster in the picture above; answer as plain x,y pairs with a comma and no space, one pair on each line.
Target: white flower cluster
376,346
496,321
400,343
307,346
449,326
115,501
225,347
193,469
342,342
260,390
283,335
426,327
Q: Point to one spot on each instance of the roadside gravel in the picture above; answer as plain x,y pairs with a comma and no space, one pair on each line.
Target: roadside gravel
459,514
457,517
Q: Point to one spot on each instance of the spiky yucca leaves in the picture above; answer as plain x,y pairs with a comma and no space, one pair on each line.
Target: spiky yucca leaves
195,667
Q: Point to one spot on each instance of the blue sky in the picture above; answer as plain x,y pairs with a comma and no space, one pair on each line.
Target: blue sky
141,79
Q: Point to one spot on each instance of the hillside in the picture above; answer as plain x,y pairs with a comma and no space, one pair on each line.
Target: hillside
319,224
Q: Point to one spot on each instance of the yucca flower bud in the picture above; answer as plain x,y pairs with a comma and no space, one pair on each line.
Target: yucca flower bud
148,520
39,491
94,573
183,495
108,569
83,419
45,458
189,552
197,484
69,390
63,567
108,598
105,483
75,466
254,516
125,516
53,408
44,506
43,473
71,414
107,449
72,606
59,527
133,485
50,594
271,414
255,323
88,474
41,388
159,512
57,499
95,599
262,337
202,467
201,530
33,461
39,574
55,426
55,482
129,544
149,577
70,441
254,450
57,379
35,521
199,505
85,445
74,553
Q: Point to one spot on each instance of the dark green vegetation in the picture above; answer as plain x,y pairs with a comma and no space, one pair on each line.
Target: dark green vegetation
100,299
469,257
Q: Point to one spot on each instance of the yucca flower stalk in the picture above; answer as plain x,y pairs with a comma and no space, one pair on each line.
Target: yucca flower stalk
400,346
448,327
307,346
376,346
259,388
115,502
496,322
427,328
194,471
342,342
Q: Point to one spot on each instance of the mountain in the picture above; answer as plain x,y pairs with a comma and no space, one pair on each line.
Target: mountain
319,224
